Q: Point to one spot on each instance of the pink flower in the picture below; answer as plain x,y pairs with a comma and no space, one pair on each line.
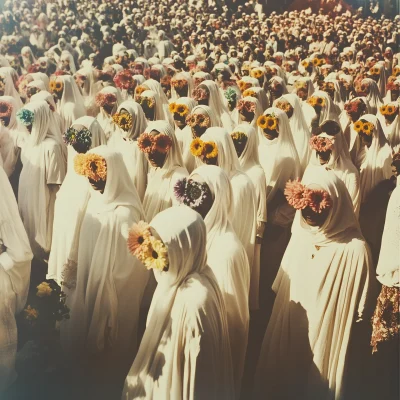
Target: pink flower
319,200
321,144
137,236
296,194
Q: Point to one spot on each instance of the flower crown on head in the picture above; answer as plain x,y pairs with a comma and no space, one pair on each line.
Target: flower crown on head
269,122
243,86
200,148
354,106
365,127
146,102
249,93
300,85
321,144
256,73
315,101
123,120
284,106
56,86
317,62
389,109
91,165
328,86
160,143
239,137
301,197
181,109
305,63
199,94
179,83
374,71
146,248
246,105
103,99
197,81
190,192
392,86
26,117
231,95
74,136
198,120
140,89
124,80
5,109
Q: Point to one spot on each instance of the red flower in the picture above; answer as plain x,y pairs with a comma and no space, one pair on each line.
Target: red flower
124,80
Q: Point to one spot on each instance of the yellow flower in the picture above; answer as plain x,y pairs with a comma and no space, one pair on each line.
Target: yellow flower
44,290
262,121
31,313
172,108
249,93
210,150
368,128
305,63
358,126
256,73
320,101
182,109
272,123
197,147
383,110
157,256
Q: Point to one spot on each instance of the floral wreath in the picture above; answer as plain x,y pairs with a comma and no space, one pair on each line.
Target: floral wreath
392,86
239,137
246,105
301,197
396,70
388,109
243,86
200,94
300,85
230,95
284,106
181,109
249,93
123,120
56,86
5,109
198,120
103,99
256,73
147,102
321,144
146,248
26,117
200,148
374,71
316,101
179,83
190,192
82,136
354,106
269,122
160,143
91,165
317,62
124,80
365,127
140,89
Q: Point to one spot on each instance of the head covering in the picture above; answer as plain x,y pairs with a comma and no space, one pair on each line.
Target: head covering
184,234
104,119
9,75
374,97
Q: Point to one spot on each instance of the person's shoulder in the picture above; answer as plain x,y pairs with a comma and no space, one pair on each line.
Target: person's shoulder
359,245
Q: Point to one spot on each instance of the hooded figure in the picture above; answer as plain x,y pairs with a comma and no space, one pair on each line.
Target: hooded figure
42,174
15,268
125,141
108,283
187,330
321,288
70,202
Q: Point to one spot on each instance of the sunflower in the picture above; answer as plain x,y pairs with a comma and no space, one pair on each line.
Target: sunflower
124,121
262,121
320,101
182,110
145,142
368,128
238,136
210,150
383,109
305,64
91,165
140,89
256,73
249,93
172,108
272,123
197,147
162,143
58,86
312,101
391,109
358,126
315,62
157,256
